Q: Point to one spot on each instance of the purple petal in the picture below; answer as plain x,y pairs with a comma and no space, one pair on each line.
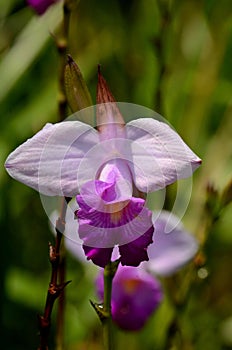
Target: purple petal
159,155
99,256
104,224
50,161
114,186
40,6
118,223
133,253
135,296
117,172
173,247
73,244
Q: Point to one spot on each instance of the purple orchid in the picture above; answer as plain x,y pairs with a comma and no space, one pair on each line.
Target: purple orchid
41,6
135,296
136,291
173,246
109,170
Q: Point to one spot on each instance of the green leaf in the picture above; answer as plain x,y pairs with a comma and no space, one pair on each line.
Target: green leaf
28,45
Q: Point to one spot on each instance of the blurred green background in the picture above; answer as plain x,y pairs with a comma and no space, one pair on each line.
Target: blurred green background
172,56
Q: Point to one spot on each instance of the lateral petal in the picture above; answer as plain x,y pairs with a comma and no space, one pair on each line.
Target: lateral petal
49,161
159,155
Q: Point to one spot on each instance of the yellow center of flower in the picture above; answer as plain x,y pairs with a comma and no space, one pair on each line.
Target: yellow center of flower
116,211
131,285
116,216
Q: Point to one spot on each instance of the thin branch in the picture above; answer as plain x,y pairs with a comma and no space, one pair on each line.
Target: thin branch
61,276
62,48
54,289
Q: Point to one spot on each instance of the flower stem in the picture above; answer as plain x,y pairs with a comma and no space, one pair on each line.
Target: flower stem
61,273
62,48
54,289
108,334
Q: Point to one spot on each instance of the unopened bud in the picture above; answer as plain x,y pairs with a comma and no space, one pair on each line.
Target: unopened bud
77,93
108,113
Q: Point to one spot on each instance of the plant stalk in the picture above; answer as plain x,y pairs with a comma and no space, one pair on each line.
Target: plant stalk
62,47
108,331
54,289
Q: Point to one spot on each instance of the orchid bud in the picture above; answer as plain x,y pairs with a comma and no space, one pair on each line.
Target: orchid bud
135,296
78,95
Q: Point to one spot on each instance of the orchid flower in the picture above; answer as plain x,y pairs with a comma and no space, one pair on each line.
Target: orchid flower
41,6
135,296
136,292
109,170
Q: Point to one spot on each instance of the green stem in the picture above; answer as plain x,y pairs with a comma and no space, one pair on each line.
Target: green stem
108,333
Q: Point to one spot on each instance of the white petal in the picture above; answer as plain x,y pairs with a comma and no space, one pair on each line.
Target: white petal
159,155
49,161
